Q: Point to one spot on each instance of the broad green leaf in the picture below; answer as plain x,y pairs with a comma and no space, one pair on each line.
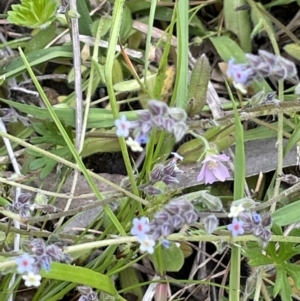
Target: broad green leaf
282,285
41,39
3,202
100,145
48,164
197,90
238,22
33,14
173,258
293,50
287,215
294,271
130,278
48,133
254,254
138,5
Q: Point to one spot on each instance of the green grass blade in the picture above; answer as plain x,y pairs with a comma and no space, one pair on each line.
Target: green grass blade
114,34
181,85
16,65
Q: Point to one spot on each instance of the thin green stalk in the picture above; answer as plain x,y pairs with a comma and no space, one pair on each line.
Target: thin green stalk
90,85
149,153
181,85
148,39
163,137
258,11
114,34
235,270
239,186
258,285
173,237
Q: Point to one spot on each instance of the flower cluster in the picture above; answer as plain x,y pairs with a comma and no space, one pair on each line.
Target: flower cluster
258,225
87,294
260,66
22,205
250,223
159,116
172,217
166,173
213,169
42,256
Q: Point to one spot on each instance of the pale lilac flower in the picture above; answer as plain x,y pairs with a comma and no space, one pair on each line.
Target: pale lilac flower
43,255
260,66
213,170
25,263
123,126
236,227
172,217
140,227
32,279
134,145
241,73
147,244
236,210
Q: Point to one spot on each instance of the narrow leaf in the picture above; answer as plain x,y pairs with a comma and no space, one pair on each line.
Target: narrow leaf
81,276
198,86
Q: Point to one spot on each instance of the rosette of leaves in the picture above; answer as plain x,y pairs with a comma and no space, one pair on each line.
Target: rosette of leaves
33,13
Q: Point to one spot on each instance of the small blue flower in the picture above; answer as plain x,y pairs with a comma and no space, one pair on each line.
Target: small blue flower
142,139
25,263
236,227
256,217
140,227
166,243
123,126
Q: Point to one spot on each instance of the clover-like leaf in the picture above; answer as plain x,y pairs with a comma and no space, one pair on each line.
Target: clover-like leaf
33,13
